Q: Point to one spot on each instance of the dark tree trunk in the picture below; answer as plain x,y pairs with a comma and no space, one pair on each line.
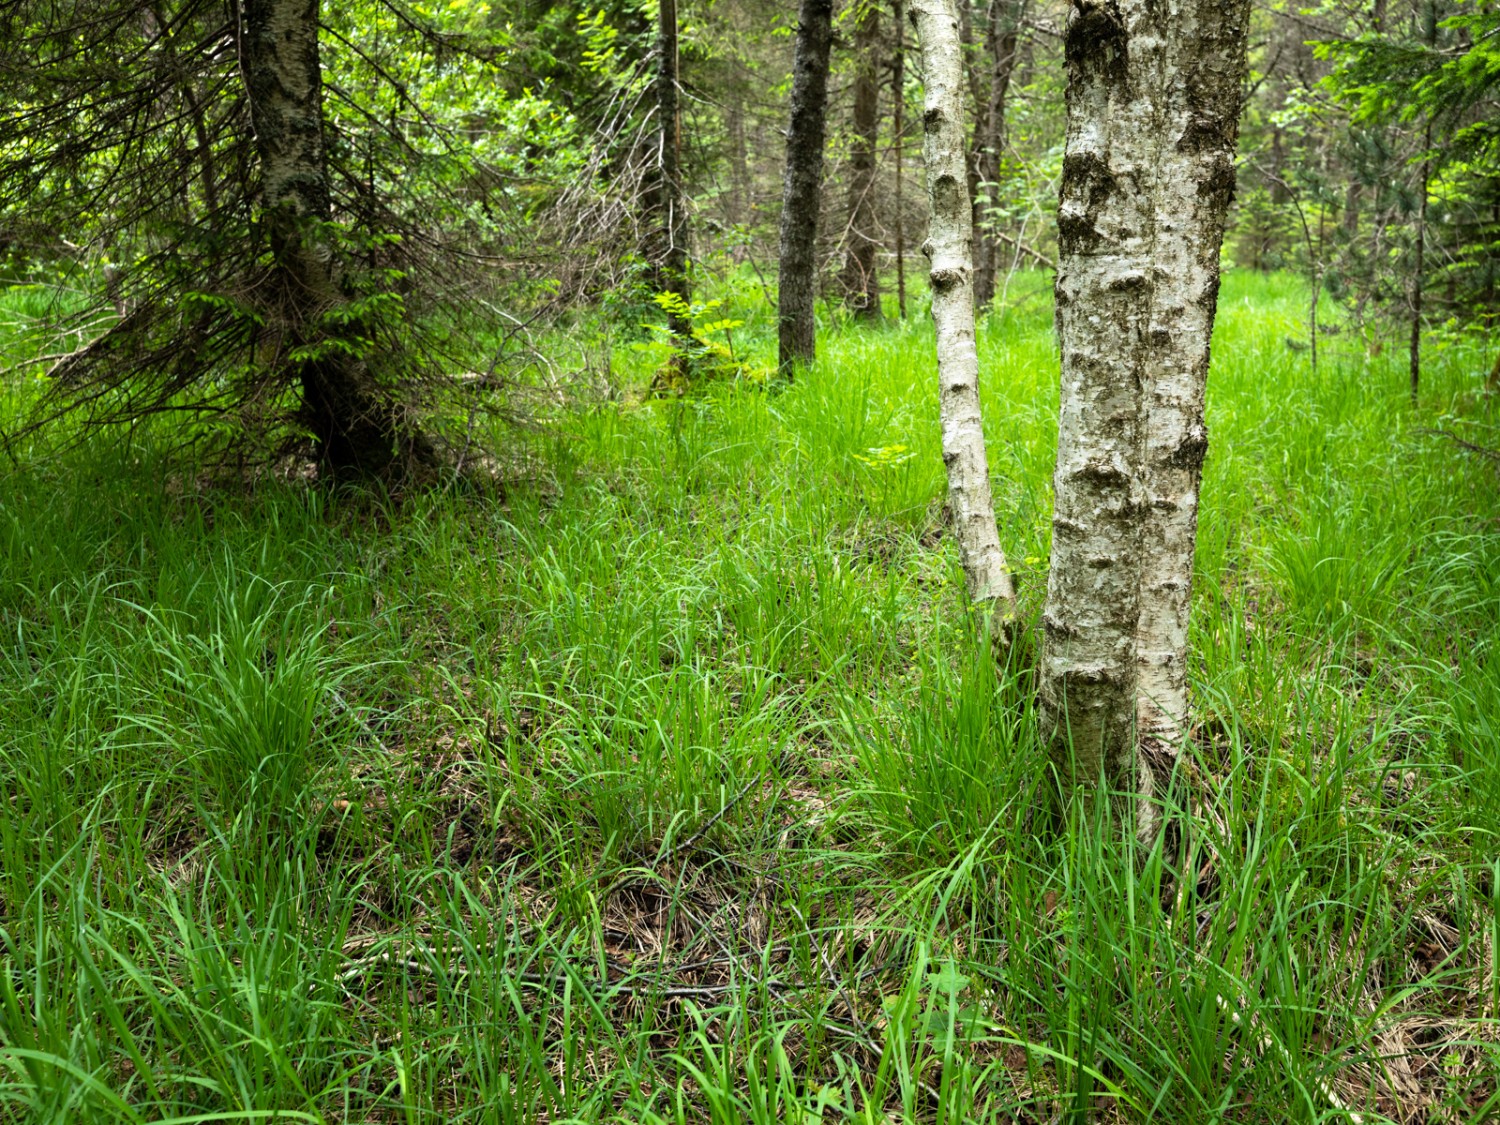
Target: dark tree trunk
740,203
798,281
357,426
989,143
898,122
1415,346
861,272
666,197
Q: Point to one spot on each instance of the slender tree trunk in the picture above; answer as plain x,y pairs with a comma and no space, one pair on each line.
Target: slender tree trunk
801,185
1278,166
670,264
861,275
949,248
898,123
357,426
1001,39
739,161
1148,174
1317,291
1415,347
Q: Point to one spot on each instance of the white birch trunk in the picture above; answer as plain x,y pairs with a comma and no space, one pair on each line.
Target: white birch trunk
949,249
1148,173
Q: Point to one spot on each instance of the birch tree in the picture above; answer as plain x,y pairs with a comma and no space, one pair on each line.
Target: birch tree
797,281
949,249
1154,89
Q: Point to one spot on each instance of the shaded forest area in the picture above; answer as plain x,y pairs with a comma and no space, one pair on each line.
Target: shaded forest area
695,561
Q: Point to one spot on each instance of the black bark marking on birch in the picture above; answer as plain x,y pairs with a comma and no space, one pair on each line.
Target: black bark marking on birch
1096,39
1216,189
946,191
1087,675
1203,134
1057,628
1103,474
1208,300
1087,184
944,280
1191,450
1127,283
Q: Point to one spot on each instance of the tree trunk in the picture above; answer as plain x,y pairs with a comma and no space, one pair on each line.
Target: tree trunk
1148,174
949,248
740,198
898,124
1001,39
797,288
357,426
665,196
1415,347
861,276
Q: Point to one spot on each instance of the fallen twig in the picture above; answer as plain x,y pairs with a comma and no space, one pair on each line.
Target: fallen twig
1482,450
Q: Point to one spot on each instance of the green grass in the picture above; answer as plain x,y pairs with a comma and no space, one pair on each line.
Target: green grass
671,782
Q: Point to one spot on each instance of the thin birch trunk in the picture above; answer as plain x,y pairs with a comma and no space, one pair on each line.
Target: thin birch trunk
797,282
1148,174
949,249
861,276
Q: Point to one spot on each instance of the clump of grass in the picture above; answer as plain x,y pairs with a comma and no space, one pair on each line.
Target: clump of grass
257,693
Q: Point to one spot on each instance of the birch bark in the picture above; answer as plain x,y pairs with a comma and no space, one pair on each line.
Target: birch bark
949,249
1148,174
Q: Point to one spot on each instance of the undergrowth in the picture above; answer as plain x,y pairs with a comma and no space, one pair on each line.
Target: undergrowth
673,783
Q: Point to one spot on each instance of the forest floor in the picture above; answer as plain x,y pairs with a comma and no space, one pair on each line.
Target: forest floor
671,782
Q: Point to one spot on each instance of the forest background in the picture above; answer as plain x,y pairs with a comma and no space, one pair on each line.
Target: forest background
614,740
